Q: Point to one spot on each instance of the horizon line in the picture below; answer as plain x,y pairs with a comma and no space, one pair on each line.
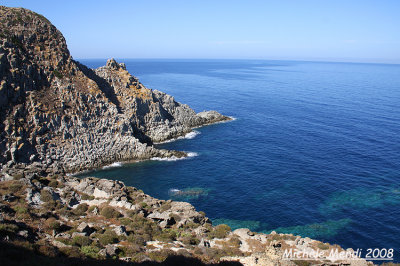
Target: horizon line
241,59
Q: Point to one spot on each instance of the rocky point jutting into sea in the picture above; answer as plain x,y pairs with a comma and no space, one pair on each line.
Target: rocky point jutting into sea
58,117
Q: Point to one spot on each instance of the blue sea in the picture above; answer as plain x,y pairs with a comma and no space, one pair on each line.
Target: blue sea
314,149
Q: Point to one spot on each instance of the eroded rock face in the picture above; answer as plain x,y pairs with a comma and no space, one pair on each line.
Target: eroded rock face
56,115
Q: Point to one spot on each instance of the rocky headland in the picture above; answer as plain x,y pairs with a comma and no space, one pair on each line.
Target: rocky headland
57,117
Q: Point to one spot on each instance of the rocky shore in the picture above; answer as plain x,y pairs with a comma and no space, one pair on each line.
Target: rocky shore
56,117
59,217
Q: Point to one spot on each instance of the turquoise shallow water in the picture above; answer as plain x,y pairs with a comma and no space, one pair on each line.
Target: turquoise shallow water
314,149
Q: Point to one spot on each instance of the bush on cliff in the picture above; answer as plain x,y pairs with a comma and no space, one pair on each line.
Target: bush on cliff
82,241
109,212
108,237
81,209
220,231
52,224
45,195
90,251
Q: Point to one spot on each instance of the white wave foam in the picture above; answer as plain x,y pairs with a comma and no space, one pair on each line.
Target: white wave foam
226,121
190,135
116,164
174,158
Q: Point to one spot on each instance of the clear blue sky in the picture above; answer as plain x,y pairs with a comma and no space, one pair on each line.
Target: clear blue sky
334,30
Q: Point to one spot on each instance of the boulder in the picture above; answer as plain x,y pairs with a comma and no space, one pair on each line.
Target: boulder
120,230
85,228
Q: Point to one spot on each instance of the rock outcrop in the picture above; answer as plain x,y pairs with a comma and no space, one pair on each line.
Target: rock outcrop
59,116
100,218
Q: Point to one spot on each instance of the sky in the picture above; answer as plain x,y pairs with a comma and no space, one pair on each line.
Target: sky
314,30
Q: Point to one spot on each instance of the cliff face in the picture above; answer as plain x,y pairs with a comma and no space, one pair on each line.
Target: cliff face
58,115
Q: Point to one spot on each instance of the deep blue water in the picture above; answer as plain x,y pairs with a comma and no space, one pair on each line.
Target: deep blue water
314,149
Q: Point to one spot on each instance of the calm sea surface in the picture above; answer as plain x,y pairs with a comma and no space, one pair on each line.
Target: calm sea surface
314,149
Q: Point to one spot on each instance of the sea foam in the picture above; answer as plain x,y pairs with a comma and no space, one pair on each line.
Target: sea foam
116,164
190,135
174,158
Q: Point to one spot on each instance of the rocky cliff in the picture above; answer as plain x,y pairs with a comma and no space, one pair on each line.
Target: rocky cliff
59,116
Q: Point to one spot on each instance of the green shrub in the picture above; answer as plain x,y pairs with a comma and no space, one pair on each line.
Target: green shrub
20,209
125,221
8,228
190,240
85,196
323,246
109,212
50,205
190,225
53,183
166,206
91,208
58,74
167,235
220,231
161,255
90,251
47,250
72,252
81,209
15,187
137,239
108,237
302,262
45,195
176,217
131,250
145,227
52,224
65,241
235,242
81,241
18,176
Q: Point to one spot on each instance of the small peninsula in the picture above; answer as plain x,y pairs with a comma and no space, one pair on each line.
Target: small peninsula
59,117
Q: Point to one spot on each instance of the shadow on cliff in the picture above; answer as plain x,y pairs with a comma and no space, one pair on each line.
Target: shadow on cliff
109,92
12,255
104,86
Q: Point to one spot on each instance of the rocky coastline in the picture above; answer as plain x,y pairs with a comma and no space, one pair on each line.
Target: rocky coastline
57,117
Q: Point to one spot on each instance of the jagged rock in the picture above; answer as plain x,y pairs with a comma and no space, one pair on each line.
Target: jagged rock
120,230
204,243
111,251
74,234
9,197
24,233
33,197
243,233
63,235
95,211
58,244
85,228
